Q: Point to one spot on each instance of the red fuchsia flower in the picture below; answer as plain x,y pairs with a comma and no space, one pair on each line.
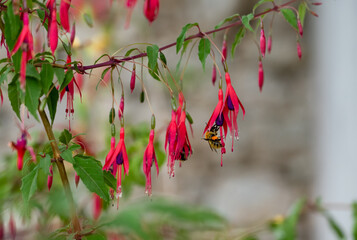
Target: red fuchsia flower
121,108
183,147
231,108
298,47
130,4
25,41
262,41
300,27
151,9
269,43
214,74
224,50
97,206
148,160
50,179
132,80
64,8
171,139
116,159
261,75
53,30
20,147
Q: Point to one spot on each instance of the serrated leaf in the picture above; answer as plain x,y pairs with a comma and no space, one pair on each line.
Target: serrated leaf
204,48
65,137
237,39
290,17
32,72
227,19
32,95
91,174
45,163
46,74
260,3
302,12
52,101
109,179
14,95
67,79
29,184
181,38
246,19
354,211
88,19
59,72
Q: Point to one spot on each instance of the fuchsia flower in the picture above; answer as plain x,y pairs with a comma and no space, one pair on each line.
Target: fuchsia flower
231,108
183,147
149,158
20,147
261,75
151,9
25,41
132,80
64,8
262,41
269,43
50,179
171,139
116,159
130,4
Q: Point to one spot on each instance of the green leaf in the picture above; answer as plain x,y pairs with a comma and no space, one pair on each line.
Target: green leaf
204,48
185,44
67,48
32,95
46,74
237,39
152,52
109,179
227,19
88,19
91,174
96,236
14,95
45,163
246,19
163,58
32,72
59,72
354,230
29,184
65,137
52,101
181,38
334,226
260,3
67,155
67,79
290,17
302,12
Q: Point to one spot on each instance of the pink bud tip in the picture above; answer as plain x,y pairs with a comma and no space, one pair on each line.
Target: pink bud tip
50,179
262,42
121,108
300,27
132,80
298,47
224,51
269,43
214,74
76,179
261,75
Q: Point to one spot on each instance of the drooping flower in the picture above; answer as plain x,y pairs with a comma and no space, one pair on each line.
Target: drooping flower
117,159
97,206
269,43
64,8
130,4
260,75
148,159
151,9
25,42
50,179
183,146
132,79
171,140
298,48
231,108
262,41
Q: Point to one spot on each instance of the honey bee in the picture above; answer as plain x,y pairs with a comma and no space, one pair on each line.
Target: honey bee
211,137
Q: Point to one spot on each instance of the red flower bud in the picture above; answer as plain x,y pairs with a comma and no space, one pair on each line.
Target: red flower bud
132,80
224,51
262,41
316,3
298,47
121,107
269,43
50,179
76,179
53,31
261,75
214,74
73,33
300,27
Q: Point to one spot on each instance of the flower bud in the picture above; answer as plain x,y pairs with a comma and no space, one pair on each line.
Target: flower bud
214,74
298,47
50,179
142,96
112,130
261,75
316,3
76,179
224,50
111,115
300,27
132,80
121,107
269,43
153,121
262,41
73,33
